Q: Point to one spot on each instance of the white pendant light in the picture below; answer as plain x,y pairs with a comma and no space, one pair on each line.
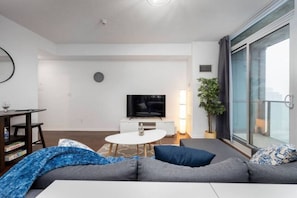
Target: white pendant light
158,2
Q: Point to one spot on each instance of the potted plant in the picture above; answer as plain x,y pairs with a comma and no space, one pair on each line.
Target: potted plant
208,92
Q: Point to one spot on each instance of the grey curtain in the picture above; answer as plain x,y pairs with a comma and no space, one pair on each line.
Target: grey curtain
223,121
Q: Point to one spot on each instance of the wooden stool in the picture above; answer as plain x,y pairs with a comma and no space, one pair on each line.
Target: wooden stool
33,125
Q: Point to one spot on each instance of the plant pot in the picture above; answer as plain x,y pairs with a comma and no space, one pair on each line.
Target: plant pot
212,135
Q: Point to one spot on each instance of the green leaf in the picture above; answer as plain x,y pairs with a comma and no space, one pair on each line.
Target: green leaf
208,93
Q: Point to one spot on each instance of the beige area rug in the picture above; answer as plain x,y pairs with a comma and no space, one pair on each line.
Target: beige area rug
126,150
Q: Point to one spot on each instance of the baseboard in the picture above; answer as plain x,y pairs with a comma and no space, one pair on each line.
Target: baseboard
247,151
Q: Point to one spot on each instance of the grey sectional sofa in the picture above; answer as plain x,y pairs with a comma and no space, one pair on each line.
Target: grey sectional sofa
229,165
216,146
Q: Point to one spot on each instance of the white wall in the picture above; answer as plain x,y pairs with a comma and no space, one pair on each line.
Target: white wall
65,86
204,53
23,45
21,90
154,50
74,101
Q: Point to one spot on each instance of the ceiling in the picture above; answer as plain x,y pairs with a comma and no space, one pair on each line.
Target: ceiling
131,21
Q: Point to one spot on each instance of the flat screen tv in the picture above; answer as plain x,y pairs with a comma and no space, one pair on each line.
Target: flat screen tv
146,106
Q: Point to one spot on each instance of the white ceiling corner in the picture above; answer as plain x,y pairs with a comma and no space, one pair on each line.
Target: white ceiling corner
130,21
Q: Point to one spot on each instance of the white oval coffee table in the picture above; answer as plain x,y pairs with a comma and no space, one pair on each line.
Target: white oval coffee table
133,138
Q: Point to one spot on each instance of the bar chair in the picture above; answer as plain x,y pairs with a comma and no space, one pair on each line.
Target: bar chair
33,125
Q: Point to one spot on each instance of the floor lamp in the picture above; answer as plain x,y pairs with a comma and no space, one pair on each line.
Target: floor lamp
182,111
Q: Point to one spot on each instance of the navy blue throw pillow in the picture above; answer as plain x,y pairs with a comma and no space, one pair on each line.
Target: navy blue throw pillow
181,155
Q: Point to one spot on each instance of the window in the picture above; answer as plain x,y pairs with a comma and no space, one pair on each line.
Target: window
240,100
260,82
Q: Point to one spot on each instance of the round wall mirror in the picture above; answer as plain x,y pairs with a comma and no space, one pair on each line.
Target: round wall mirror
6,66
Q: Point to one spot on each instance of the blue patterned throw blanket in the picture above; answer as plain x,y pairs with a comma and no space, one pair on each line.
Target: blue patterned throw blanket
17,181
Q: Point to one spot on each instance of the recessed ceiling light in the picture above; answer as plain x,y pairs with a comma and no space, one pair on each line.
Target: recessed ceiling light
103,21
158,2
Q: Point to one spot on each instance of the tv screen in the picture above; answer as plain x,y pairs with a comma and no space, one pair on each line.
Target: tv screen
146,105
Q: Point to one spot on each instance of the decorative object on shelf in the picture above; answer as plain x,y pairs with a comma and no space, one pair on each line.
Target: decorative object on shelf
5,106
141,129
15,155
14,146
98,77
7,66
6,134
182,111
208,92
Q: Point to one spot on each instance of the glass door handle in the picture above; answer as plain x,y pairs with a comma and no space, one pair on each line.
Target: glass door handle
289,101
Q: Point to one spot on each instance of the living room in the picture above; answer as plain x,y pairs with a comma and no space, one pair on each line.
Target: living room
38,55
58,75
127,68
133,66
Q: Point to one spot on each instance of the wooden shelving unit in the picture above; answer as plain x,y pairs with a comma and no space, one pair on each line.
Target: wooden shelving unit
15,148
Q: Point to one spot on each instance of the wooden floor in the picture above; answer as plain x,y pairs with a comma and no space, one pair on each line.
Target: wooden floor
93,139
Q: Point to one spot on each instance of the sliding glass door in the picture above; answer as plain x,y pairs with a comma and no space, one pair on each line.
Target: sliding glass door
261,99
269,87
240,91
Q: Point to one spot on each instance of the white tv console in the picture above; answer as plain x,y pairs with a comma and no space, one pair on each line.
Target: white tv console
132,124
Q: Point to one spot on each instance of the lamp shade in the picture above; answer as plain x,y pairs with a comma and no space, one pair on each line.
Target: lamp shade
182,97
182,126
182,111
